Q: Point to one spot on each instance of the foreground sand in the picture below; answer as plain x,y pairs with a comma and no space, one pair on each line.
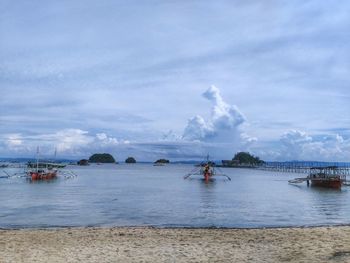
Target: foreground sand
320,244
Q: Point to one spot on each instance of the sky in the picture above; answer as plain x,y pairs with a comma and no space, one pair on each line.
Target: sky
175,79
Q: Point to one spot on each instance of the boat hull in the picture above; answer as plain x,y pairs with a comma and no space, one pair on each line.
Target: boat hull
35,176
327,183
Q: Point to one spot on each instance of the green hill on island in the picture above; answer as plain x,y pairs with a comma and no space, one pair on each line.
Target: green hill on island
101,158
162,161
247,158
243,159
130,160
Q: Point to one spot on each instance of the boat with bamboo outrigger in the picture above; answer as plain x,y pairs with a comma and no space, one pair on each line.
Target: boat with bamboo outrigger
41,171
207,170
329,176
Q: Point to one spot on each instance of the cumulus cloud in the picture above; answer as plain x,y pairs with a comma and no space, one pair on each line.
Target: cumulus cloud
223,124
247,139
224,116
105,140
298,145
14,140
198,129
221,134
68,142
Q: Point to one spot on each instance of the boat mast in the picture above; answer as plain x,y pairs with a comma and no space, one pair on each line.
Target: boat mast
37,159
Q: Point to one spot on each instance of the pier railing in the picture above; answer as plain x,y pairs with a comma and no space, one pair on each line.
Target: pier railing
305,168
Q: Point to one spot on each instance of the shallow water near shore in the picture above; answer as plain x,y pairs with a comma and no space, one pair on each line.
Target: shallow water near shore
147,195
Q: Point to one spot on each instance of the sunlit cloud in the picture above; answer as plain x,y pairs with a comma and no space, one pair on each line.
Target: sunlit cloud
223,124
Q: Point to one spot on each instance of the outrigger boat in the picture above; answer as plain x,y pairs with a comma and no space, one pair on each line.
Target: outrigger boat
44,173
331,177
41,171
40,174
208,170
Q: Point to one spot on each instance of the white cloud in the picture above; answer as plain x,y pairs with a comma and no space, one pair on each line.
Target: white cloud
247,139
103,139
198,129
14,140
223,124
294,138
68,142
101,136
224,116
298,145
221,135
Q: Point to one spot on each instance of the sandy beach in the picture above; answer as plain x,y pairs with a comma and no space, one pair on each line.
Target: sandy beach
144,244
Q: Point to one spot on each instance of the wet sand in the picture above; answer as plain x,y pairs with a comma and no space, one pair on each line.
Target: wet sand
144,244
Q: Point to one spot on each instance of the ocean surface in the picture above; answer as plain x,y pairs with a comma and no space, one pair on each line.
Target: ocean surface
147,195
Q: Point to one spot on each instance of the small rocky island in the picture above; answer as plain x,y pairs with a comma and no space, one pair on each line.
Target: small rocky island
83,162
243,159
101,158
130,160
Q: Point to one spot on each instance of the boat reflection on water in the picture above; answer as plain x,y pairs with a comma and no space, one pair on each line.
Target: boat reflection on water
42,181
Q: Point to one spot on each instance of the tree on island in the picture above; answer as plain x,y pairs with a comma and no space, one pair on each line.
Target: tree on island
162,161
247,158
101,158
130,160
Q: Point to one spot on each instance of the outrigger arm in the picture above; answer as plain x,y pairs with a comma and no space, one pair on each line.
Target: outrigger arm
188,175
228,177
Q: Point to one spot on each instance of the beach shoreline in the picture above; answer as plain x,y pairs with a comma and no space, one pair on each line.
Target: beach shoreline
152,244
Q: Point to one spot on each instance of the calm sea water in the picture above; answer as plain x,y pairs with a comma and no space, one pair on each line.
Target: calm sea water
143,195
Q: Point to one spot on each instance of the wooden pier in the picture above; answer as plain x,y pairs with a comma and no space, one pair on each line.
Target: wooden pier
301,168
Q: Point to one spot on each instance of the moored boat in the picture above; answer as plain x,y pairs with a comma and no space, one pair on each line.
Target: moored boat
326,177
41,171
330,177
207,170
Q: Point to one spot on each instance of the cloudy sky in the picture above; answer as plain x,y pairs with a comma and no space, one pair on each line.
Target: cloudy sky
175,79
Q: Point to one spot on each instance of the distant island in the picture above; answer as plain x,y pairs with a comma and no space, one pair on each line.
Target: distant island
101,158
130,160
243,159
162,161
83,162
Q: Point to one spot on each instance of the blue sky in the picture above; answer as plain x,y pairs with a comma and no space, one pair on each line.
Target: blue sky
175,79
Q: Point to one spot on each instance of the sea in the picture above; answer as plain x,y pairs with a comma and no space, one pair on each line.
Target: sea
109,195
